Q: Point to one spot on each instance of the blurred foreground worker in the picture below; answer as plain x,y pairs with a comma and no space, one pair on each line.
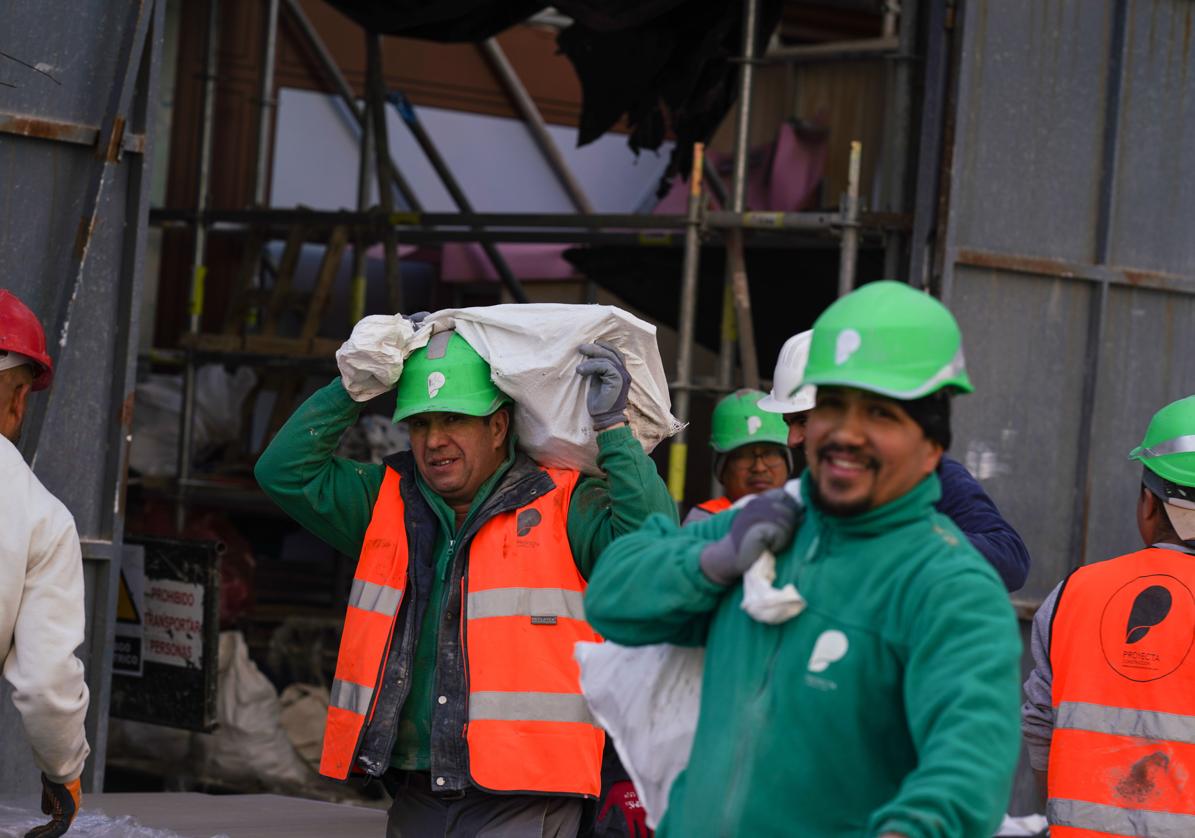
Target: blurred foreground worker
41,584
963,500
888,705
456,678
1109,716
751,455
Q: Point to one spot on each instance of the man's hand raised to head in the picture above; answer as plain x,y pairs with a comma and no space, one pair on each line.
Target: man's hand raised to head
609,383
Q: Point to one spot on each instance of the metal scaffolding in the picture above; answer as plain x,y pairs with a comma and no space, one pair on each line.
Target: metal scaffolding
737,225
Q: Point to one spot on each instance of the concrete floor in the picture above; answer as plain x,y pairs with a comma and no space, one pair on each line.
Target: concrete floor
193,815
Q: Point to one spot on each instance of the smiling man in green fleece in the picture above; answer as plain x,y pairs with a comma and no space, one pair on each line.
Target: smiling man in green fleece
889,706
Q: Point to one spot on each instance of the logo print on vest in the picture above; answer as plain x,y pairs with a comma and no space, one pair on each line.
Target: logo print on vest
754,423
1149,609
528,520
1147,627
830,647
435,381
847,345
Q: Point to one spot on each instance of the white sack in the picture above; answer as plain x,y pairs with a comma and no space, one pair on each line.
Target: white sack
532,352
648,698
249,743
219,397
371,360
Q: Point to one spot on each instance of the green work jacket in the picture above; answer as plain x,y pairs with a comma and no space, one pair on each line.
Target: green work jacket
889,704
334,498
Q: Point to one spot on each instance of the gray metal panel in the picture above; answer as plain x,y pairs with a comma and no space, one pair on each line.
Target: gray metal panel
1155,203
49,182
1028,147
1147,359
1024,336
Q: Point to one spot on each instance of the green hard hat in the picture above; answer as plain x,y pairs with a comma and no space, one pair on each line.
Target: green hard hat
890,339
447,376
738,420
1168,449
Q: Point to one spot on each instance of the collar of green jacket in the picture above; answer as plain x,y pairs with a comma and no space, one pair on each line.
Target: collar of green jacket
912,506
444,512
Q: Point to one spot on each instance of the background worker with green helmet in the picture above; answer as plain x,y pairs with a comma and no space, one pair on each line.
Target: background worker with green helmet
464,499
888,705
750,454
1109,705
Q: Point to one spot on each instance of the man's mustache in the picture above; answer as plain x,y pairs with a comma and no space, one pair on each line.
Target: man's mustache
825,452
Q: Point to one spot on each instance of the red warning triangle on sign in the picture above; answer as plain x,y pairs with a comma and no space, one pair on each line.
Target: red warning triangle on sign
126,610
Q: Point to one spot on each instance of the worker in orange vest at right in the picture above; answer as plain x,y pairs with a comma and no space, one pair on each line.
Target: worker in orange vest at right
1109,719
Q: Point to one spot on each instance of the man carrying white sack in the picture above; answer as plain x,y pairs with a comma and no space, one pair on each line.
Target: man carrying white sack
41,585
456,677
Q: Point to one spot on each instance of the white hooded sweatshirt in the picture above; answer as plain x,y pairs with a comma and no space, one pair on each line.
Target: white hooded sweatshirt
41,617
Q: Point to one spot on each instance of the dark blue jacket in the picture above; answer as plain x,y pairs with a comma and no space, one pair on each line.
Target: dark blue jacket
966,503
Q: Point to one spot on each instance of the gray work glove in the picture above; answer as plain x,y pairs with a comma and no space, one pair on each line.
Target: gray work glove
609,383
767,522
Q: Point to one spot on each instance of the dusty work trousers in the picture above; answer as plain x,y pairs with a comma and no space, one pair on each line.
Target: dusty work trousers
418,812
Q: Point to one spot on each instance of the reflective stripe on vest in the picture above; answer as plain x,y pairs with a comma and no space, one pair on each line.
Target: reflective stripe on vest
529,728
1070,818
374,600
1122,755
715,505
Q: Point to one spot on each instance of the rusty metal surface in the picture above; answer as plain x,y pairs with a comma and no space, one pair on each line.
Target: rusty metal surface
1069,262
1070,179
73,210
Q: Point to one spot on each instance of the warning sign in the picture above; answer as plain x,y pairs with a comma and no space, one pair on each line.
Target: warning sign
167,634
127,657
174,623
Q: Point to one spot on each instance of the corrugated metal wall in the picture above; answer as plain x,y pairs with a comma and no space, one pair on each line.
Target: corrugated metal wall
74,180
1070,261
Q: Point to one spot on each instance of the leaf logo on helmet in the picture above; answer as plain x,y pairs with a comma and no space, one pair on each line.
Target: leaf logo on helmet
434,382
848,344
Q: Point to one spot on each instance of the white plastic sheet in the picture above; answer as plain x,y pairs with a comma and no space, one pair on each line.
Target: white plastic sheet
16,820
652,724
532,352
219,397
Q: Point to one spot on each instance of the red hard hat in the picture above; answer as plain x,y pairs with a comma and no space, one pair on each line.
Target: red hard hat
21,332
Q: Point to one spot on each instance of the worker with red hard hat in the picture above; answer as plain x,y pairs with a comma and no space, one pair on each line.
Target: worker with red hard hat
41,585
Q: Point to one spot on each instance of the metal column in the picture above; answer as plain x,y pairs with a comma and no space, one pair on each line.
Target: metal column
678,452
736,303
850,224
198,269
376,106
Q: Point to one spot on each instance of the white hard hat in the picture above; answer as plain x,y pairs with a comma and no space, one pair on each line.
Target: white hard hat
790,369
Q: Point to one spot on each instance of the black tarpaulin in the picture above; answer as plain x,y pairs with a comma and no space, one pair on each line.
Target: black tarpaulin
663,65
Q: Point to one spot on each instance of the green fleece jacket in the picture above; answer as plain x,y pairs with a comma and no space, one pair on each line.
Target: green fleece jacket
889,704
334,498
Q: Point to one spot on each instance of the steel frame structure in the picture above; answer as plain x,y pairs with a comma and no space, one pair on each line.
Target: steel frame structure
586,226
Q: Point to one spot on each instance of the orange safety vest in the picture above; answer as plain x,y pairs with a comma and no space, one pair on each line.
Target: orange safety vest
1122,758
715,505
528,727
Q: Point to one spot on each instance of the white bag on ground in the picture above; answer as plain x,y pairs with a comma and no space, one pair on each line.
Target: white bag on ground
648,699
532,352
249,744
